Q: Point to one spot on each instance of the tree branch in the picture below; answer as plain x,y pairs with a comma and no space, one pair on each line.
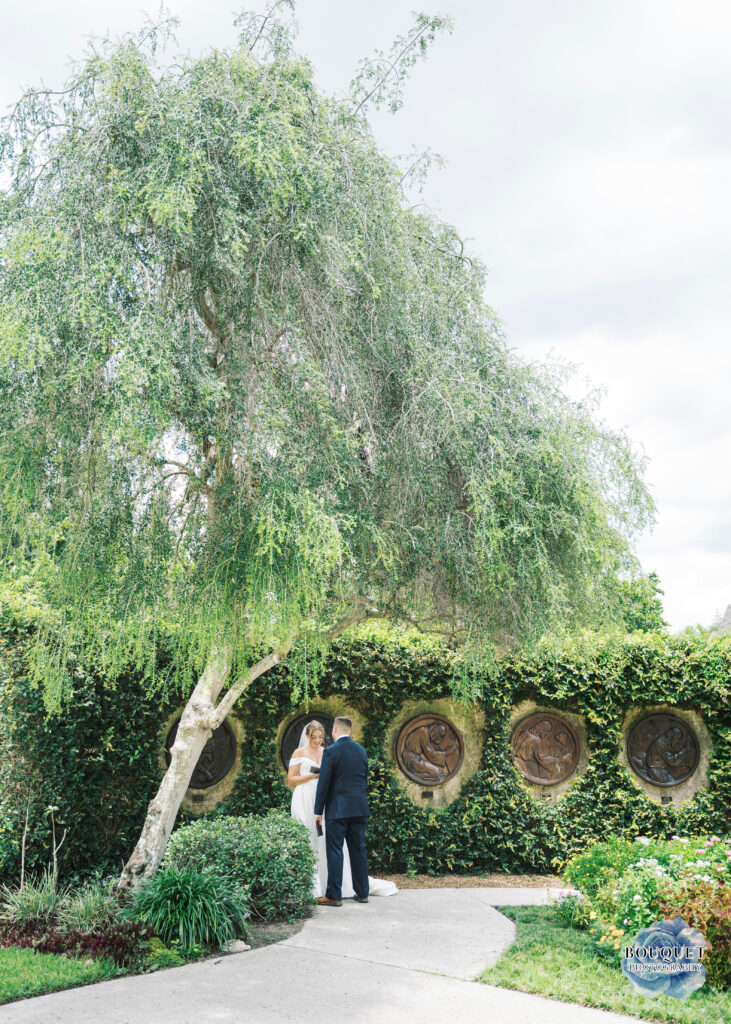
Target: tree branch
392,66
278,656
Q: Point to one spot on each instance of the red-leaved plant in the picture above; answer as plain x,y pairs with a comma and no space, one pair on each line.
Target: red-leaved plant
706,906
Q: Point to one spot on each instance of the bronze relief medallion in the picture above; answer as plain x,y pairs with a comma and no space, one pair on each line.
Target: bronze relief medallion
663,749
545,748
216,760
429,750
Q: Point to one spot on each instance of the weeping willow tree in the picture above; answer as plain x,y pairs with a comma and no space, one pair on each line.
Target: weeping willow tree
250,396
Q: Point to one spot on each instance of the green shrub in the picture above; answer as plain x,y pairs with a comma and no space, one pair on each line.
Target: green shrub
159,955
190,906
92,907
572,910
591,870
270,854
36,904
687,878
629,902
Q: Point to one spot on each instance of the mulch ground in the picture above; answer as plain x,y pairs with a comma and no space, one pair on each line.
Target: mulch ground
474,881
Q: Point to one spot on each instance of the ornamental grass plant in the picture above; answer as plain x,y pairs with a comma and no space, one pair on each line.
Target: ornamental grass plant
85,922
194,908
35,903
90,908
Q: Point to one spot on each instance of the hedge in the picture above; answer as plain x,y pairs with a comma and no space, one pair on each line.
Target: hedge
98,762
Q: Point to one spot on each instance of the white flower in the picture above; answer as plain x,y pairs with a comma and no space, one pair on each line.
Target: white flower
636,898
679,839
643,839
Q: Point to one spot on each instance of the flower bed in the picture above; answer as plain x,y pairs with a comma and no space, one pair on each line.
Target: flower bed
625,887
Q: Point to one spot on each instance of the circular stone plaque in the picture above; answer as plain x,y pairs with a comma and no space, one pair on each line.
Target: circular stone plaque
291,738
429,750
216,760
544,748
663,749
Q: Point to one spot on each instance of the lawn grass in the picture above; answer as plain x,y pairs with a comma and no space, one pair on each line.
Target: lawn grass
24,973
553,960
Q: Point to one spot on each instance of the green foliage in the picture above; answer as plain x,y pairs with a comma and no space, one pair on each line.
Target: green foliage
25,973
381,79
92,907
572,910
641,604
41,902
701,632
553,960
601,862
161,956
102,774
271,855
688,878
194,907
243,378
36,903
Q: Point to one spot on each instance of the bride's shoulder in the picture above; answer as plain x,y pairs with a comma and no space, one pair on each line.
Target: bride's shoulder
299,752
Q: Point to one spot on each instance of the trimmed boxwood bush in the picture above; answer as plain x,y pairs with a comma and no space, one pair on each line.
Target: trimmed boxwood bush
270,854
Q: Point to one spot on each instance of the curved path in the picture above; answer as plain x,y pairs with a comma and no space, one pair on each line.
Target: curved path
411,957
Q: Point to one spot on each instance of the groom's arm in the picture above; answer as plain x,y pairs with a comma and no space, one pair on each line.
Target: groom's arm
324,780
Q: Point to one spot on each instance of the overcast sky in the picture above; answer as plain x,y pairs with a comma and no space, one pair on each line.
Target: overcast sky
588,149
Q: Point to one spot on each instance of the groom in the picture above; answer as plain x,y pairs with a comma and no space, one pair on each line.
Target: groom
341,794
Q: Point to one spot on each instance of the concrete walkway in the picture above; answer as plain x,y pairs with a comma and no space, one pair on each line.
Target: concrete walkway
408,957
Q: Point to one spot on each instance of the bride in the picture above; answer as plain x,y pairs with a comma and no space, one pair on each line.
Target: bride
304,767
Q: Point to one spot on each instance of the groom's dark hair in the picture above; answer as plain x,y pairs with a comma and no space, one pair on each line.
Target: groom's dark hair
343,723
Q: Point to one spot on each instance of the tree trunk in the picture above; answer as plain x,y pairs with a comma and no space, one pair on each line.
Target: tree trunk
200,717
194,730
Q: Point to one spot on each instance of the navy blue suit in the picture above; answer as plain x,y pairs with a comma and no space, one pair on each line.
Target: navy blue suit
341,796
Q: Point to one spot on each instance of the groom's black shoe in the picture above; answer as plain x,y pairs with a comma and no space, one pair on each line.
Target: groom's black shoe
360,899
325,901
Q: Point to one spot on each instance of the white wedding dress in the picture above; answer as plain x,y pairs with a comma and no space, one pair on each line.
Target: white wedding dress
303,809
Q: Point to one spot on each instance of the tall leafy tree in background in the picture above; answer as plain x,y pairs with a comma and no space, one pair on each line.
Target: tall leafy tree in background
250,396
640,603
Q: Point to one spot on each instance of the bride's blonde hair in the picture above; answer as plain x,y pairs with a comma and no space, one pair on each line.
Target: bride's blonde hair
314,726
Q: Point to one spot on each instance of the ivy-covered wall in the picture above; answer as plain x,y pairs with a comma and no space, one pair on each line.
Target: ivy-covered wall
99,761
